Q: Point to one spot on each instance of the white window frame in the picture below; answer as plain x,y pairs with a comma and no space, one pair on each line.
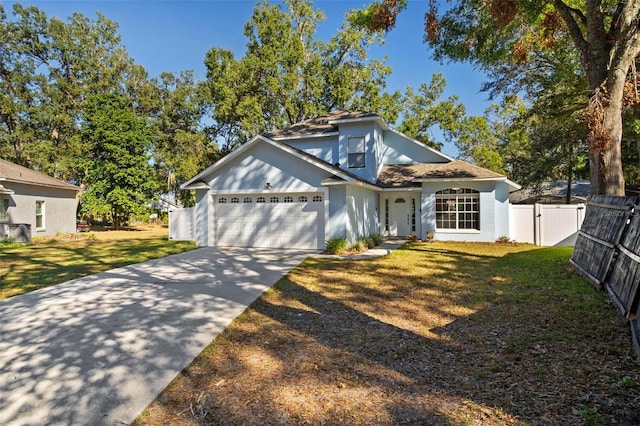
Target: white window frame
40,224
461,205
356,152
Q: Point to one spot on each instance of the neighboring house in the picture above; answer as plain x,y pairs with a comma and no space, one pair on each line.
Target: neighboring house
349,175
48,205
553,192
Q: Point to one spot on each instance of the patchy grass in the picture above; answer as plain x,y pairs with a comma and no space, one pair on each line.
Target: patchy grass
438,334
50,261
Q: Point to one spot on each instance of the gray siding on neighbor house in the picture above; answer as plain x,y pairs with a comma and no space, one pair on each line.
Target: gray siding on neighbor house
60,207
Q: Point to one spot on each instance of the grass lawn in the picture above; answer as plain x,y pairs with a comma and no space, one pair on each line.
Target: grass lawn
50,261
434,334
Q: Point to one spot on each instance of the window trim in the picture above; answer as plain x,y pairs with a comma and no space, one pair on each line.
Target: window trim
4,208
458,197
357,159
41,215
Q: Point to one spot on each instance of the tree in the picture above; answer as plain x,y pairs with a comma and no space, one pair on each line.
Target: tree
509,34
120,180
180,148
287,76
424,112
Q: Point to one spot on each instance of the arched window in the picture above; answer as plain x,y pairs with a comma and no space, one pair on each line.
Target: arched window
248,200
288,199
222,200
400,200
235,200
317,198
261,200
274,200
302,199
458,208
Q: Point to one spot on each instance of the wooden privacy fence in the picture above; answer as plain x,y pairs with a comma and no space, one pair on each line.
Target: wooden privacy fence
607,252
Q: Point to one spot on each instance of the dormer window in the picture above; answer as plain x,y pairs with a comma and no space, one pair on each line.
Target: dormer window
356,151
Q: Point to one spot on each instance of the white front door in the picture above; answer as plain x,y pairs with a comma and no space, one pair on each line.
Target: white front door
401,216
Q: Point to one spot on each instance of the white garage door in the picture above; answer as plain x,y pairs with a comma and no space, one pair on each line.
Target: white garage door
270,220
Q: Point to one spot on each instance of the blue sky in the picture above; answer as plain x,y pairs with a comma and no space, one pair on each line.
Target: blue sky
173,35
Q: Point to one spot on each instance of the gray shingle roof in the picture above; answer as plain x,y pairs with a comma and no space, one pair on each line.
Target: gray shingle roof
11,172
405,175
318,126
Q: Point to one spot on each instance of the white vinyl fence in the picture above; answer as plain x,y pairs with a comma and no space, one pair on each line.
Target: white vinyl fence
546,224
181,224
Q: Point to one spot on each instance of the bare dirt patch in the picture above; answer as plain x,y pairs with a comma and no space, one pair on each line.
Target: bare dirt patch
440,333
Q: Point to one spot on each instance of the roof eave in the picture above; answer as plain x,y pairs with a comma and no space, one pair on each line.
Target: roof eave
307,136
376,118
69,187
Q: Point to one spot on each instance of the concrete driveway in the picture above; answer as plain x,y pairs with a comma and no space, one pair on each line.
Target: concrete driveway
97,350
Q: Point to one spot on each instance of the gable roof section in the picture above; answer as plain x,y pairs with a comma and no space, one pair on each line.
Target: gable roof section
11,172
325,125
409,175
339,176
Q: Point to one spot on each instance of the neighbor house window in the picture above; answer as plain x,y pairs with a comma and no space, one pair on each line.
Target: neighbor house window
458,208
355,151
4,209
39,214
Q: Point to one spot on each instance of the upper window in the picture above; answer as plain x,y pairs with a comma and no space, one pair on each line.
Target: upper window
39,214
355,151
458,208
4,209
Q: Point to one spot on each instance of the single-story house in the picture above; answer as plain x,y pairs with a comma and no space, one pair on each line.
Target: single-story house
46,204
346,174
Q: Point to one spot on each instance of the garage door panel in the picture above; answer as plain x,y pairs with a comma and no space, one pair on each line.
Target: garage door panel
297,224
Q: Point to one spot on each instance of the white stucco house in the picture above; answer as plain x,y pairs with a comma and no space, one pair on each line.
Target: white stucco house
46,204
345,174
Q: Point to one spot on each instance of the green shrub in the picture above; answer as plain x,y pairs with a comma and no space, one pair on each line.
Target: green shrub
359,246
336,245
377,239
369,242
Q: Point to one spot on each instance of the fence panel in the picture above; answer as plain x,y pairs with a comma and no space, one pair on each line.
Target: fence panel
623,285
181,223
559,224
521,223
604,223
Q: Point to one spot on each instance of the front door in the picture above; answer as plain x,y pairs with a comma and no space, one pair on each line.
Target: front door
401,216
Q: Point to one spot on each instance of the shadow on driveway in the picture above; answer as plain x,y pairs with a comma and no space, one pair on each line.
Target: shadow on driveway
98,349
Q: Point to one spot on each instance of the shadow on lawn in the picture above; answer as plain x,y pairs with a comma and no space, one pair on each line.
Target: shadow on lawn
527,347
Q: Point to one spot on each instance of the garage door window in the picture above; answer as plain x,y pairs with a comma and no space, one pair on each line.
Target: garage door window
274,200
261,200
288,199
248,200
302,199
235,200
317,198
222,200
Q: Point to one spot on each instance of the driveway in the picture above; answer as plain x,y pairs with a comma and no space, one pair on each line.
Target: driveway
97,350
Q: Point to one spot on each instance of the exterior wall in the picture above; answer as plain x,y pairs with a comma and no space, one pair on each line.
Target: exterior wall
494,211
203,218
366,130
325,148
264,163
362,212
398,149
338,216
60,207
